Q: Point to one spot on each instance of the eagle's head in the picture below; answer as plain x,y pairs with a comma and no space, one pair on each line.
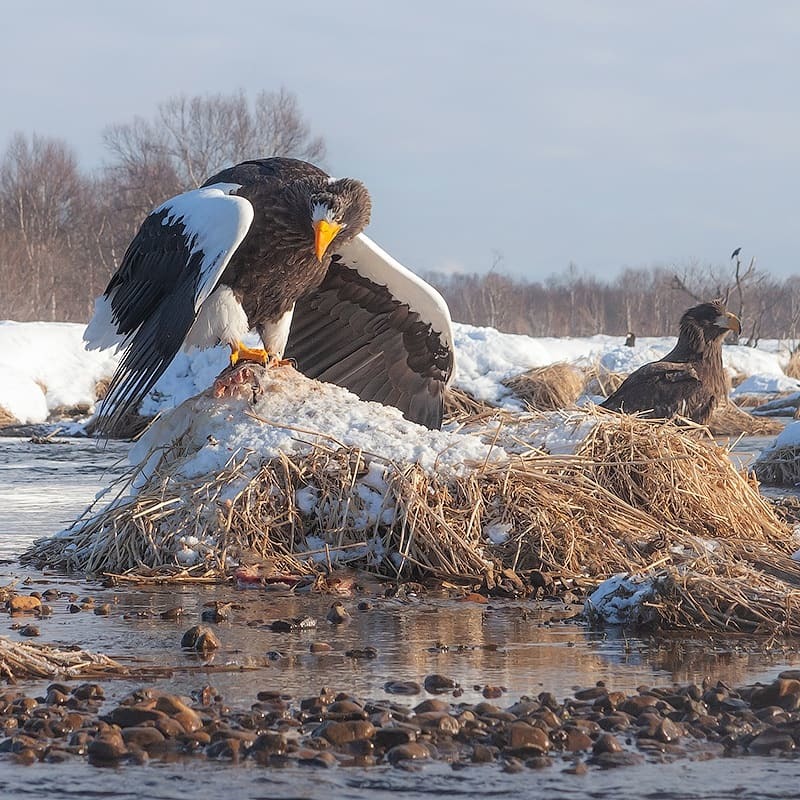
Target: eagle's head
340,210
711,320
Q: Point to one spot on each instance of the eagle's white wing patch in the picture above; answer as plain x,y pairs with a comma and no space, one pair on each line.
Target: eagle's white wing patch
214,222
371,261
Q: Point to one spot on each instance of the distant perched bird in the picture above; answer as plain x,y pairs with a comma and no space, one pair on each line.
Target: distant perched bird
274,245
630,339
689,380
736,253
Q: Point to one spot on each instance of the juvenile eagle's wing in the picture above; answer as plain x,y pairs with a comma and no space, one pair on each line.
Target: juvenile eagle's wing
378,330
168,271
662,389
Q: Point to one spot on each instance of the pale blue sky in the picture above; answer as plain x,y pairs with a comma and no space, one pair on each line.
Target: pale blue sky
608,134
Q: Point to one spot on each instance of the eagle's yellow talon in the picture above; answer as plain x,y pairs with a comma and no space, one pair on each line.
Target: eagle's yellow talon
242,353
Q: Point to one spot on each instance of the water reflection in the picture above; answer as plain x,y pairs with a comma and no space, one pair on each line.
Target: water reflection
525,647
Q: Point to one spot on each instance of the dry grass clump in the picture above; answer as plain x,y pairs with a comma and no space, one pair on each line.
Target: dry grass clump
638,496
28,660
7,418
600,381
101,388
793,367
729,420
680,477
461,406
548,388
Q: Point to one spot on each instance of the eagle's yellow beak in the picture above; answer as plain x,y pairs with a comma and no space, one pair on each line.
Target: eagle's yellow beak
324,233
732,323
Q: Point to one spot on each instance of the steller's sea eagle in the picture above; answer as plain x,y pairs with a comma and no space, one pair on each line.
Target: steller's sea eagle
689,380
274,245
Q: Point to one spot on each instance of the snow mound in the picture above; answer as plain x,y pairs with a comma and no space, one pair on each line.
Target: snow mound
293,415
766,384
627,359
52,355
22,397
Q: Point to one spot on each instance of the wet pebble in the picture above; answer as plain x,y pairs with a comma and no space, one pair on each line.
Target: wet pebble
293,624
317,759
402,687
337,614
606,743
363,653
524,737
219,612
413,751
109,746
338,733
439,684
201,639
772,741
21,603
576,741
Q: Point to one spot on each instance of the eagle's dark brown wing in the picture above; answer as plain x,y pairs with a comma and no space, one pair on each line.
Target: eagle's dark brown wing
663,389
356,331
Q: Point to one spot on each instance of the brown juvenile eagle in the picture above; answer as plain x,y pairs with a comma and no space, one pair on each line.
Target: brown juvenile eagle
689,380
274,245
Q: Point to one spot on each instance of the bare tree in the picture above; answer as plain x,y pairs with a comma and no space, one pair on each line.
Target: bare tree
190,138
41,190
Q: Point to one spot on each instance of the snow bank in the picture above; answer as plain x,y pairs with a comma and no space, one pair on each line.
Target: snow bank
44,366
766,384
788,437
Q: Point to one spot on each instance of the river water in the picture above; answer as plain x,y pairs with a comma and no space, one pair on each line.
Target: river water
534,647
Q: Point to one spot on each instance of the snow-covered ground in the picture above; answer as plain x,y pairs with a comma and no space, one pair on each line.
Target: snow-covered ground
44,366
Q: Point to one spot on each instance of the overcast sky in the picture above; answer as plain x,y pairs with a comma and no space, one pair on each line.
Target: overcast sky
606,134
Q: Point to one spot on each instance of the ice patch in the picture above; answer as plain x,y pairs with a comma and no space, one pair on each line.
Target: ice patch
621,600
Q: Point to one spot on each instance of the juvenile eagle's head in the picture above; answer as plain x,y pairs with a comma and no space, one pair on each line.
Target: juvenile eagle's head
709,322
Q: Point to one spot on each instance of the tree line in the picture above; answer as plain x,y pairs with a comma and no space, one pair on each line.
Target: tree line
64,230
647,301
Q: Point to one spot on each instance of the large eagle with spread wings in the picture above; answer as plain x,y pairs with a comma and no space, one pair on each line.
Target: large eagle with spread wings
690,380
274,245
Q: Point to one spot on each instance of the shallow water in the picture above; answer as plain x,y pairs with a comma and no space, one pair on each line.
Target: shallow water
538,647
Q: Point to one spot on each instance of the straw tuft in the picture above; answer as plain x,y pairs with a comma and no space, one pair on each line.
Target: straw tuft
548,388
730,420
